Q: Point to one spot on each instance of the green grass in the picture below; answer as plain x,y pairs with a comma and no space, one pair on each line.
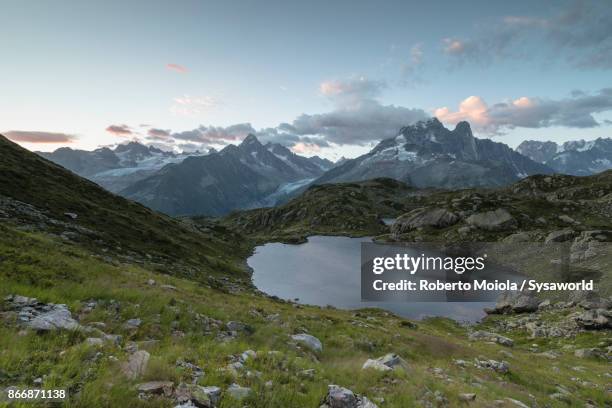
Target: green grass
67,274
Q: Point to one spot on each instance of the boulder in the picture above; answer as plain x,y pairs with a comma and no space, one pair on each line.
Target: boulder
132,324
424,217
385,363
493,337
196,395
589,353
308,341
560,236
515,302
467,397
58,317
498,220
340,397
136,364
237,392
499,366
156,387
595,319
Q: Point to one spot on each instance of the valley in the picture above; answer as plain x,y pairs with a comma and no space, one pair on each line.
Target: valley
161,311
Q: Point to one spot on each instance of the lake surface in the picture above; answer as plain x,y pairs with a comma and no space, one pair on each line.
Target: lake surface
326,271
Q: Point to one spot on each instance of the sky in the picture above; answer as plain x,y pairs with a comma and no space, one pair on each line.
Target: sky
322,77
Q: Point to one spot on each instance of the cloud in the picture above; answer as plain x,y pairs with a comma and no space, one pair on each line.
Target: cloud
305,148
350,93
27,136
580,33
177,68
412,70
575,111
190,106
215,134
119,130
357,118
158,134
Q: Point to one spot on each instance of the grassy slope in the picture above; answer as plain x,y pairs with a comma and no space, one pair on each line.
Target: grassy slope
340,209
35,265
45,266
120,224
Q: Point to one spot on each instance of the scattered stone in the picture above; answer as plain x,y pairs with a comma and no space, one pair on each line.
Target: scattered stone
132,324
499,366
467,397
136,364
560,236
589,353
168,287
386,363
237,392
595,319
94,341
517,403
71,215
493,337
309,373
515,302
151,282
195,395
248,354
156,387
498,220
309,341
424,217
340,397
234,326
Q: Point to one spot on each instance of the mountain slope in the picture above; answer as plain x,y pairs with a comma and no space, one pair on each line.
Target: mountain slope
115,169
427,154
38,191
237,177
579,158
347,208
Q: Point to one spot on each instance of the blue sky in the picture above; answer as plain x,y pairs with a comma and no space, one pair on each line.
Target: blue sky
324,77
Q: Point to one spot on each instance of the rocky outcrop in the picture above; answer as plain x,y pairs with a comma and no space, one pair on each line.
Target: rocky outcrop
308,341
491,337
498,220
340,397
595,319
424,217
386,363
515,302
136,364
41,316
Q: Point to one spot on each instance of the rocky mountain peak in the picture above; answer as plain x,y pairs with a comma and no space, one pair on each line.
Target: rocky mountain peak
251,139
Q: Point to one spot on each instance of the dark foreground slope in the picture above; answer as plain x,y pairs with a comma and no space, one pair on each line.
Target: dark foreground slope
55,200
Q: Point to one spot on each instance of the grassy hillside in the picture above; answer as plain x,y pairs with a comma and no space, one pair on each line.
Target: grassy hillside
185,323
343,208
194,330
105,220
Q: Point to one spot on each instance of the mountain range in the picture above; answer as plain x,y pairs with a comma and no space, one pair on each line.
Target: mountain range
427,154
251,174
237,177
115,169
578,158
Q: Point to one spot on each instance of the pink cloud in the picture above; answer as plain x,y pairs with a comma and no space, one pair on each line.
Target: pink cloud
177,68
27,136
305,148
473,109
119,130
